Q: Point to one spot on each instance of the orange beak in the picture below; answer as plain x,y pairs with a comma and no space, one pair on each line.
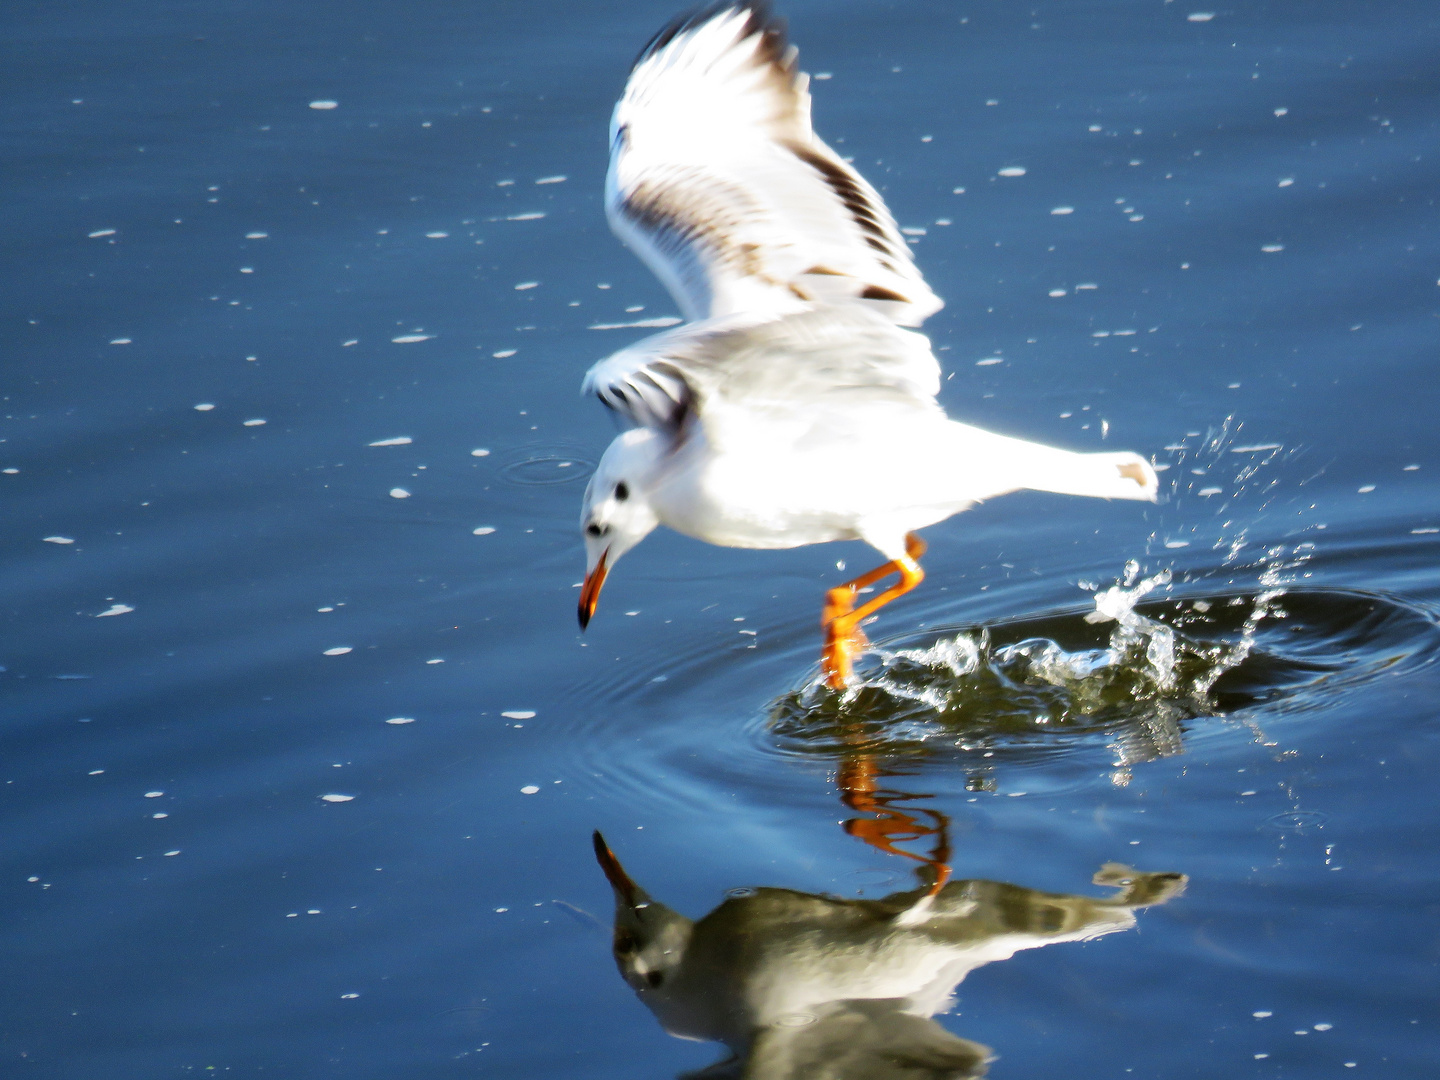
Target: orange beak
620,881
590,591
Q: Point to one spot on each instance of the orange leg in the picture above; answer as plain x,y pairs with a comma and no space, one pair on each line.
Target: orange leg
841,619
856,780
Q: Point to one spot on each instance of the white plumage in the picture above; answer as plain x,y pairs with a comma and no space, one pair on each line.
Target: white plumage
794,408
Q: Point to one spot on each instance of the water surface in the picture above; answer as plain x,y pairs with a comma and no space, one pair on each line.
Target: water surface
1222,252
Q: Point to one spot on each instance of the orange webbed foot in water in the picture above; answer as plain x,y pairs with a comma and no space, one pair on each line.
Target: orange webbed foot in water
841,619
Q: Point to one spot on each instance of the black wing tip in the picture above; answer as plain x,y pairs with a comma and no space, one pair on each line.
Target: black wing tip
760,19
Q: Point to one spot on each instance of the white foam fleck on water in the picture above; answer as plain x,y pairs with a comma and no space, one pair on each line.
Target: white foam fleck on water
399,493
534,215
256,422
1057,292
990,361
324,104
1012,170
551,180
339,650
519,714
1207,492
204,406
664,320
1200,16
1365,489
59,539
410,339
121,341
115,609
1323,1027
480,451
529,789
401,720
483,530
522,286
1271,249
398,440
1286,181
504,354
1061,211
101,232
1281,110
257,236
153,794
336,797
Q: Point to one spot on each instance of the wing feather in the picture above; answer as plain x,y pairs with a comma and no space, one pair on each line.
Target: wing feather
719,183
800,362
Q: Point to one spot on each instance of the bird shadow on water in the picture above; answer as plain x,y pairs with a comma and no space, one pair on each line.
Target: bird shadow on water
803,985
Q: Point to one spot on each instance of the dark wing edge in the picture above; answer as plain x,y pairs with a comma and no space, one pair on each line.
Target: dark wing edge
645,390
761,19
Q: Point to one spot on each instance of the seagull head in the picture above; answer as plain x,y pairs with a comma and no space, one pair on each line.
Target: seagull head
650,938
616,513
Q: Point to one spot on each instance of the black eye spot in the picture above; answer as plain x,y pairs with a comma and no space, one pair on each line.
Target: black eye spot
593,529
622,491
654,978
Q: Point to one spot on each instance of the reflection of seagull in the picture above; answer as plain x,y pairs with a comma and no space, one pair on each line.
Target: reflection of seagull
800,986
794,410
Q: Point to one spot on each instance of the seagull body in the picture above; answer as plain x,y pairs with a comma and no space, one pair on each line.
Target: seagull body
802,986
795,408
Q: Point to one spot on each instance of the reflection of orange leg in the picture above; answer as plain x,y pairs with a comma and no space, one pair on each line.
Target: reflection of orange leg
856,780
841,619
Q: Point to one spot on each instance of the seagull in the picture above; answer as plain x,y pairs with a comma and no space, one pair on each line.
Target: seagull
801,986
795,406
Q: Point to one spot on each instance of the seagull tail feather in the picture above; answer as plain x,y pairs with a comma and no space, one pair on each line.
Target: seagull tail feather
1102,476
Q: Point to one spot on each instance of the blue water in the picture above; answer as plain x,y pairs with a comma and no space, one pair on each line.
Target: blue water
177,895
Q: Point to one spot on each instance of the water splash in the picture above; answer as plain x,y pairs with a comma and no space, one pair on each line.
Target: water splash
1132,672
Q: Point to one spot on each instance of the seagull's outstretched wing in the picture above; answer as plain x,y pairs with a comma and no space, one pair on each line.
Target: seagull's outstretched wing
800,362
719,184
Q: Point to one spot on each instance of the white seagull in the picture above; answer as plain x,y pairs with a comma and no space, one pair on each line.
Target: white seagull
794,408
802,986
